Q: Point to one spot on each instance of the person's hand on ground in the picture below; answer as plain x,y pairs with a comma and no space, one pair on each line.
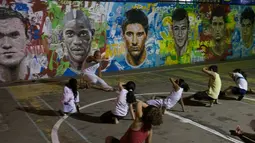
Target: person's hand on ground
239,131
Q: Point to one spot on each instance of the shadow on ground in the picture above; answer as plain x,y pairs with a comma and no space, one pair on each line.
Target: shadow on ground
248,138
89,118
38,112
188,102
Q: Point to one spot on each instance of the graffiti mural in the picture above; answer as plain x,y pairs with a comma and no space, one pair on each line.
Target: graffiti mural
47,39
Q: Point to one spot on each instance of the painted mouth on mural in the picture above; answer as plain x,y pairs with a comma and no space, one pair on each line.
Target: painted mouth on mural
78,52
180,40
135,49
8,53
78,49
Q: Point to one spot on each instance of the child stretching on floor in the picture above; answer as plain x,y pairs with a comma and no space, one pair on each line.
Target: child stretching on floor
179,86
240,80
214,86
93,63
71,98
125,101
140,130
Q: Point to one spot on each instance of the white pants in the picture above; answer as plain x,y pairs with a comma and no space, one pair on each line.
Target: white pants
167,103
94,79
155,102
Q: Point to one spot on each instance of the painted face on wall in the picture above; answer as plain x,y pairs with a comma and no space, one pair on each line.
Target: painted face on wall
247,31
135,37
180,32
218,28
12,42
77,38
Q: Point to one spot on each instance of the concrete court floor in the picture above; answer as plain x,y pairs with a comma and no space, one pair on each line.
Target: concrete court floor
27,111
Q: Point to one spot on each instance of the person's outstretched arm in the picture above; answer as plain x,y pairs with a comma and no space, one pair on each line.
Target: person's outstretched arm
139,109
210,73
149,138
131,109
175,85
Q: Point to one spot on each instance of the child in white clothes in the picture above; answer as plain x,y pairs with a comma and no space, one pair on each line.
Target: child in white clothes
179,86
240,80
124,102
71,99
93,63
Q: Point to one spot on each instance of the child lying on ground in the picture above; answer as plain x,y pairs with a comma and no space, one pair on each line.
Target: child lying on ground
179,85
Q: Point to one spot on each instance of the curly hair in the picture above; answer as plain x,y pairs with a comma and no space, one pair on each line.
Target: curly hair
152,116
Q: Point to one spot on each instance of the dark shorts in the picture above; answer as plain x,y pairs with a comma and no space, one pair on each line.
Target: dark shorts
202,95
108,117
115,140
238,91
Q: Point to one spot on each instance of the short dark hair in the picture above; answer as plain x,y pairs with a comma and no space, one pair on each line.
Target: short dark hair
183,85
219,11
180,14
213,68
136,16
248,13
241,72
6,13
97,51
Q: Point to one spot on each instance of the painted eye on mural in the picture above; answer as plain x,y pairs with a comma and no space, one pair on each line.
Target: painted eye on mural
69,33
248,25
184,27
176,28
83,33
1,35
129,34
14,34
140,34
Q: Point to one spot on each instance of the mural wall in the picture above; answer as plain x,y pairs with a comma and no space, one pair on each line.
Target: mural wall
45,39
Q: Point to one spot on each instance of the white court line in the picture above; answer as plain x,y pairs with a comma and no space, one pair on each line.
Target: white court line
171,69
54,132
70,125
38,129
185,120
247,98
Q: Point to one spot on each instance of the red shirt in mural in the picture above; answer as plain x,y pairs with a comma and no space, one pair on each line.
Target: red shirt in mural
211,56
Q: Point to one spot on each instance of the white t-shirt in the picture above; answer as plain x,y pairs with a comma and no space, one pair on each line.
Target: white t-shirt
173,98
241,82
121,106
91,67
68,97
169,101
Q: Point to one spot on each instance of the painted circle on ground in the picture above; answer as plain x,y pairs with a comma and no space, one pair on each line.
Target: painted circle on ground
54,131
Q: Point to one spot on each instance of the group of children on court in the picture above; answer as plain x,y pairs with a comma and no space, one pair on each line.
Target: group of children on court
149,113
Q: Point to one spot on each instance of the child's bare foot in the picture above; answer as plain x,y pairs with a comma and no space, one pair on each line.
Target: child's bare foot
116,121
217,102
